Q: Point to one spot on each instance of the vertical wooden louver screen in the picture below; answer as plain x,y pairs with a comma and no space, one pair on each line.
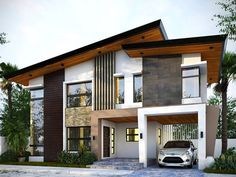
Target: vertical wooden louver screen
104,81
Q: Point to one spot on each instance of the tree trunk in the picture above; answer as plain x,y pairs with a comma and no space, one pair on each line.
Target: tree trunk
224,121
9,95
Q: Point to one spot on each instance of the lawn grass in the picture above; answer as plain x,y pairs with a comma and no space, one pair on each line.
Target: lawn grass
48,164
228,171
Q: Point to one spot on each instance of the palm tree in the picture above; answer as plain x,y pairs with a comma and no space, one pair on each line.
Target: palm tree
228,73
6,85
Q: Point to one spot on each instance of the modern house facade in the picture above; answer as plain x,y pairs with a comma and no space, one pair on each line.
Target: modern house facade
116,96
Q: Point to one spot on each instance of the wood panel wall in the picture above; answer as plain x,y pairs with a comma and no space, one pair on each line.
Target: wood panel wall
53,115
104,81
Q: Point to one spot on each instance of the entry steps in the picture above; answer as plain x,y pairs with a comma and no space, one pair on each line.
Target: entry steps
119,164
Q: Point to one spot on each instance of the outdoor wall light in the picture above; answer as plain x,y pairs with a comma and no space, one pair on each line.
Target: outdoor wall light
141,135
201,134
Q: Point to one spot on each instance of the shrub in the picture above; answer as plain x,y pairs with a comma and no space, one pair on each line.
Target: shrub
68,158
226,161
87,158
9,156
26,154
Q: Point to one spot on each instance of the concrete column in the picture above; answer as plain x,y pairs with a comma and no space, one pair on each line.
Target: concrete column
142,126
202,137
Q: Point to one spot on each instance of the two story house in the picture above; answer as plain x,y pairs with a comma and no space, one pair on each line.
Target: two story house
115,96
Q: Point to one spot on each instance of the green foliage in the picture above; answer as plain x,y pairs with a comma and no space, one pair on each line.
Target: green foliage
87,158
216,99
68,158
226,161
82,157
16,128
226,20
9,156
3,38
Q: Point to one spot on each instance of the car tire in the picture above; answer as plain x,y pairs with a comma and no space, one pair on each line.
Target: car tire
161,166
195,162
190,166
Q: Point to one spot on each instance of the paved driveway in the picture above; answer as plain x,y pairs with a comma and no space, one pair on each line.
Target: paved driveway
152,172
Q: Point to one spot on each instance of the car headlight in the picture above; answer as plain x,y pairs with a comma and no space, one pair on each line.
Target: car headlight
186,153
162,153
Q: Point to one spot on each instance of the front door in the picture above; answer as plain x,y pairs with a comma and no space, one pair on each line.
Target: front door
106,141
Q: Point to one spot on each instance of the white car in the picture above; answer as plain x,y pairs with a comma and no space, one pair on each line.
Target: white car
177,153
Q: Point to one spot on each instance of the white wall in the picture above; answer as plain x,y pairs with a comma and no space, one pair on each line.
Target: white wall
152,146
127,67
218,144
36,81
131,149
80,72
3,145
123,148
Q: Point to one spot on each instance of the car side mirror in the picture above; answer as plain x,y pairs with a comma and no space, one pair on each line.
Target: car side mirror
194,148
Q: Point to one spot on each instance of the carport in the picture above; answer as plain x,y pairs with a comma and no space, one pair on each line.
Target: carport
205,116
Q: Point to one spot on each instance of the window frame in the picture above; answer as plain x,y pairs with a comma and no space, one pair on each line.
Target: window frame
77,139
191,76
137,75
31,100
78,95
131,134
119,77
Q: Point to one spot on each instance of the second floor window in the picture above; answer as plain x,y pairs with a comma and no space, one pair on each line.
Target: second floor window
138,88
190,83
79,94
119,91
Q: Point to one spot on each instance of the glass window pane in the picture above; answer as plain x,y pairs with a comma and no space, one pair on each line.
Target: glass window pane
190,72
190,87
138,89
37,122
73,145
36,93
73,133
79,95
119,90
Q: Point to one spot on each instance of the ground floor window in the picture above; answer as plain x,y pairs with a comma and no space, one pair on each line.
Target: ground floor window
36,122
113,140
77,137
132,134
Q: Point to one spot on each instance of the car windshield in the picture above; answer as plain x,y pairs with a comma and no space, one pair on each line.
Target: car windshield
177,144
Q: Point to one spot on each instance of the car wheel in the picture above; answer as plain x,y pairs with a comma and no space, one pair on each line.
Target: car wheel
190,166
195,162
161,166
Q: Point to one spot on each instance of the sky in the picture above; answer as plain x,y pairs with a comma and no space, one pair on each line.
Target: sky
41,29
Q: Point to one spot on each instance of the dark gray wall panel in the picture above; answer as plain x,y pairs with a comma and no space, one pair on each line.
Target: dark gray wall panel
161,81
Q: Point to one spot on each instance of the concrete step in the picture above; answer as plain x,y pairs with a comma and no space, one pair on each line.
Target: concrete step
118,167
118,164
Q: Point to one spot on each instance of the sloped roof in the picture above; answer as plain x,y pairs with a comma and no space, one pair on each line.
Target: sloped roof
153,31
211,48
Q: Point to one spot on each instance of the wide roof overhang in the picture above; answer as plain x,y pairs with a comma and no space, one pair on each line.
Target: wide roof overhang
150,32
211,49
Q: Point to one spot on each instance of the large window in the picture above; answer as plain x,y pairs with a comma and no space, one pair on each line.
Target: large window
132,134
138,88
190,83
119,91
36,123
79,94
78,136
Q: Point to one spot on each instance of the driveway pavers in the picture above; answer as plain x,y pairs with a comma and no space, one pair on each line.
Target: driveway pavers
148,172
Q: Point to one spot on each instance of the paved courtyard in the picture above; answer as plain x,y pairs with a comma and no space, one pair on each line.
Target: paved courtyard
152,172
